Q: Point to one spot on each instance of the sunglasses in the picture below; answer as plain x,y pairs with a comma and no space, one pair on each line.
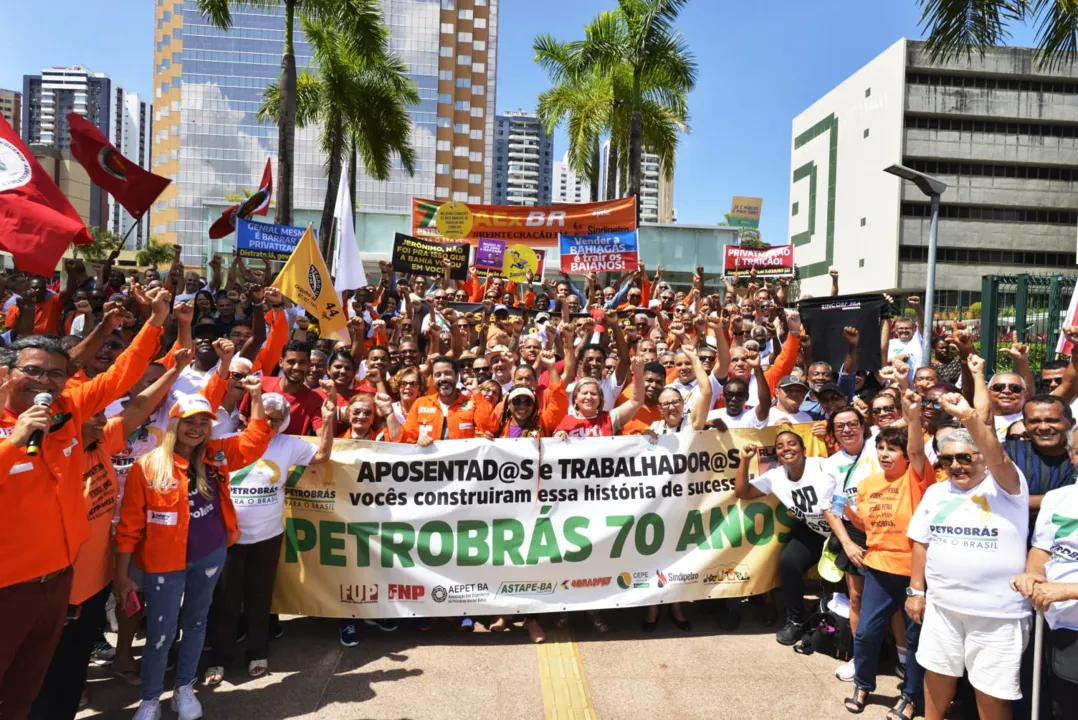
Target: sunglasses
739,333
1052,382
883,409
481,369
521,400
238,376
737,396
963,459
1000,387
931,404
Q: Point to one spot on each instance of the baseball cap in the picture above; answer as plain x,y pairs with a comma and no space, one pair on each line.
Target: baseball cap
189,405
792,380
499,308
205,326
830,387
542,318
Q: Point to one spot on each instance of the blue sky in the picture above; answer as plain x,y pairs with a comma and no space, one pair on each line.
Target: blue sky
760,65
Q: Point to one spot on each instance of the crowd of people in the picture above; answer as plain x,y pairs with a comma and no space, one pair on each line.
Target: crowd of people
148,419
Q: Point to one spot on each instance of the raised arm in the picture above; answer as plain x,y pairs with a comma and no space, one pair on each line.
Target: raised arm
627,410
743,489
700,408
328,431
88,348
834,282
1019,352
915,446
139,409
852,336
622,348
763,390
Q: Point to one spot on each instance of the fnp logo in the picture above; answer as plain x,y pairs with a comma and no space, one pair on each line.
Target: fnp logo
405,593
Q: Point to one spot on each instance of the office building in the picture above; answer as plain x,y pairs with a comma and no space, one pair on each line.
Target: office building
11,109
656,192
995,129
208,86
121,116
523,160
569,187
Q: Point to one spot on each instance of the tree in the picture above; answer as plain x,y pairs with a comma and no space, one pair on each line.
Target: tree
361,100
359,20
957,28
154,253
104,242
638,39
599,98
750,238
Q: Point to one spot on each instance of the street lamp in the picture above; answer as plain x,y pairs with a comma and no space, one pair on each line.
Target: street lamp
933,188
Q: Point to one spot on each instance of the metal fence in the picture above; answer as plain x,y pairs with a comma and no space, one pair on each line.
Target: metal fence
1022,308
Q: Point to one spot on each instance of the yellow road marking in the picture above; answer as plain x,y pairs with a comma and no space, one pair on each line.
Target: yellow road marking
566,695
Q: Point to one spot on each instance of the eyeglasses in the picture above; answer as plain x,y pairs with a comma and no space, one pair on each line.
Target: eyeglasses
1000,387
362,412
408,383
883,410
963,459
238,376
35,371
847,425
670,405
521,400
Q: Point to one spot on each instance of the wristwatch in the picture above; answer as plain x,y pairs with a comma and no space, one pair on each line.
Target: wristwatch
911,592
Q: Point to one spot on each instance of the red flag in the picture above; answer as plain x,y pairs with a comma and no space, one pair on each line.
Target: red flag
257,204
133,187
37,222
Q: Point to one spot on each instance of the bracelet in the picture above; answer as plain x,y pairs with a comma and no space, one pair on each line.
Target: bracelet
966,416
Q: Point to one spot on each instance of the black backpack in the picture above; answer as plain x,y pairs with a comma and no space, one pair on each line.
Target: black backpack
828,634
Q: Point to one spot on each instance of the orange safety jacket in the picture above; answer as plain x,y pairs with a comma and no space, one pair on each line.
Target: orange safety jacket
467,415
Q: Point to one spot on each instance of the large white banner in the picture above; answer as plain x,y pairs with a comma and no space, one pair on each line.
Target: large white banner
474,527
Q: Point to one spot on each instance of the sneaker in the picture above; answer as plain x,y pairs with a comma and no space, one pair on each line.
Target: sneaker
383,625
148,710
103,653
790,634
900,670
349,636
844,672
185,704
465,624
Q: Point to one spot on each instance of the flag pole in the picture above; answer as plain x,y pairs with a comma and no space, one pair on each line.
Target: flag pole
123,241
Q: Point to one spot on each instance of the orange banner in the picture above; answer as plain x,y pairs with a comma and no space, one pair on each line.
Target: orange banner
534,226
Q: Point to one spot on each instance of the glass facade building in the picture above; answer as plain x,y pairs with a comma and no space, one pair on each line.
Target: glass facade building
209,83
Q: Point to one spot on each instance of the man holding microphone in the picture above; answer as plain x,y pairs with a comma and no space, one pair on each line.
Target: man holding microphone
42,511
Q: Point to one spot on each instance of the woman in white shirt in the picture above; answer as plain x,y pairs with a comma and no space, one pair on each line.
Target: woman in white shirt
969,539
258,495
804,488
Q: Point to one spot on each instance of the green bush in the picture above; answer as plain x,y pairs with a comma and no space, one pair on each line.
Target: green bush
975,310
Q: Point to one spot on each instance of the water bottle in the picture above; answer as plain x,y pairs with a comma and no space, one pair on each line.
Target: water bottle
838,503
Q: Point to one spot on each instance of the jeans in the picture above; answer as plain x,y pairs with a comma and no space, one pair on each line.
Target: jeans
60,693
164,591
247,585
884,594
801,553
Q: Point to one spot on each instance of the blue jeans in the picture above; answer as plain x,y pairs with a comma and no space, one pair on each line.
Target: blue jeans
884,594
164,591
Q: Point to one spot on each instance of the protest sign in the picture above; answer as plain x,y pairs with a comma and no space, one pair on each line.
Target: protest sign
490,254
424,257
777,261
533,226
267,241
745,211
471,527
604,252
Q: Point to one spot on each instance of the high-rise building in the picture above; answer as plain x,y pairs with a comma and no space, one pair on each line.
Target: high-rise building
656,192
569,187
997,130
208,85
523,160
11,109
121,116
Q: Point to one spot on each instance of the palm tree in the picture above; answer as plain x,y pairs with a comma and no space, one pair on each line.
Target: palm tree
361,101
154,254
359,20
104,242
958,27
637,44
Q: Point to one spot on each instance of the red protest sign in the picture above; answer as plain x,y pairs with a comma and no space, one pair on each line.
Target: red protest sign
777,261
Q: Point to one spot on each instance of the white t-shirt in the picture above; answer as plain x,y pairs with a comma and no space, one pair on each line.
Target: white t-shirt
690,391
913,348
258,489
847,481
185,297
976,543
806,498
1056,533
778,416
745,419
1005,421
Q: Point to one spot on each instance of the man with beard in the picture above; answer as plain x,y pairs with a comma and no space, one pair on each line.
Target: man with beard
448,415
304,404
654,384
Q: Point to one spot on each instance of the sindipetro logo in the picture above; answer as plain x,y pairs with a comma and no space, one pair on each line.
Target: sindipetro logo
112,163
314,279
625,581
438,594
661,578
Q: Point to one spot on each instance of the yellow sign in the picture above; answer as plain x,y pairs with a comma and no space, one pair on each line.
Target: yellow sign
519,261
745,211
305,281
454,220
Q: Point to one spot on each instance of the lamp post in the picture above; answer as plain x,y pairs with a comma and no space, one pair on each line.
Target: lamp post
933,188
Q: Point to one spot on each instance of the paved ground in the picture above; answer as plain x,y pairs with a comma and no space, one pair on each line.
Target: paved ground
444,675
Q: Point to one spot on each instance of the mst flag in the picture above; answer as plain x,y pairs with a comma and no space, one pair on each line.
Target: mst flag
133,187
305,281
37,222
257,204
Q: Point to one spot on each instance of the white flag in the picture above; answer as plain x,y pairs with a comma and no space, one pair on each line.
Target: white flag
349,267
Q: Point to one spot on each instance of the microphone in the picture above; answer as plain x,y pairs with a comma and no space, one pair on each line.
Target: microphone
33,448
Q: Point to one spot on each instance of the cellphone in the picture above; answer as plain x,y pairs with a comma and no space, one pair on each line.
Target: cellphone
131,603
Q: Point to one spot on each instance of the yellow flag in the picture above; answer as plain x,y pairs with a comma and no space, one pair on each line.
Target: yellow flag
305,281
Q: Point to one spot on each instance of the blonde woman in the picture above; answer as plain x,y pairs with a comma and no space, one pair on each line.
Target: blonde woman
177,518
